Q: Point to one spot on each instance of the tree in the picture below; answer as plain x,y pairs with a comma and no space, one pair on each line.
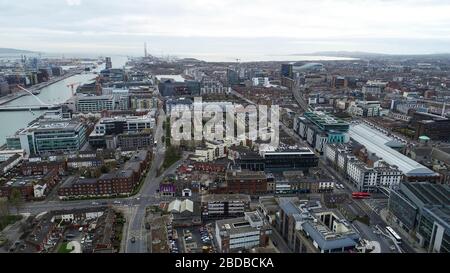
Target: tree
16,199
104,169
4,207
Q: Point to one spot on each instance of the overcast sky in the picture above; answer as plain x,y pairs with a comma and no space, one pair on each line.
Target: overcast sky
210,27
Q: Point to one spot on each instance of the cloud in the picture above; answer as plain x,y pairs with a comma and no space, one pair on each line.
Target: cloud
172,24
73,2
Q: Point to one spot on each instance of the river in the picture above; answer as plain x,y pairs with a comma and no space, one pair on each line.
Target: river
52,94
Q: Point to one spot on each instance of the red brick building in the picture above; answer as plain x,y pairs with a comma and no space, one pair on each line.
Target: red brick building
245,181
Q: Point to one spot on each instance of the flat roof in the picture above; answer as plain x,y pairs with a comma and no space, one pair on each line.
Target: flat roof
375,141
428,193
225,197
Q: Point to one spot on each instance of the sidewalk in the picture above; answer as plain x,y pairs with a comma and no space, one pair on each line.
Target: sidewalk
403,233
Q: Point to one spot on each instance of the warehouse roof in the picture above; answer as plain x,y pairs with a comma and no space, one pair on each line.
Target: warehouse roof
375,141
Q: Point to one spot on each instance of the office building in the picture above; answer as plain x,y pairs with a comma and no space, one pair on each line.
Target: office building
308,227
287,71
365,109
318,128
49,136
233,235
433,126
169,87
212,86
246,182
232,77
129,127
221,206
278,161
108,63
94,104
423,209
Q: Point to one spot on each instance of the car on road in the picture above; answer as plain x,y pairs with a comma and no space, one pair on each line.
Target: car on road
95,203
117,202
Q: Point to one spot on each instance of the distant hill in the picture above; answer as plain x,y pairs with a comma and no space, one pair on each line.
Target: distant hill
14,51
360,54
346,54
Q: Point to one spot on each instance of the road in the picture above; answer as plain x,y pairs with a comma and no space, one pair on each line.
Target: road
146,196
375,218
281,243
135,205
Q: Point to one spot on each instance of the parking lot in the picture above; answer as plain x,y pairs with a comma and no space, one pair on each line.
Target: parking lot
195,239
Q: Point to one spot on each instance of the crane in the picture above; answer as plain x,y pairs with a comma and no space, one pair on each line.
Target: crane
72,86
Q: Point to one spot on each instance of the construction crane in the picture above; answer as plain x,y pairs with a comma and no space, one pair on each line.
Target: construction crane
72,86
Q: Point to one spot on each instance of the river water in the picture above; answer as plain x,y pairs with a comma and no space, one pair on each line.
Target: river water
58,92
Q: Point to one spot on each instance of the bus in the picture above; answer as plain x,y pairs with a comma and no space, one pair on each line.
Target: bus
360,195
394,234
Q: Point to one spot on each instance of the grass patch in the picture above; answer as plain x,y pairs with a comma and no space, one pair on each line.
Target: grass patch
63,248
8,220
172,155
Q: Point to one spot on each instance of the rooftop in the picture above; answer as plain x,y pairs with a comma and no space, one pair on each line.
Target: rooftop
376,142
429,194
225,197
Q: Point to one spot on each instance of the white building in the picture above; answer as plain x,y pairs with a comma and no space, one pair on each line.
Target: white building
92,104
241,233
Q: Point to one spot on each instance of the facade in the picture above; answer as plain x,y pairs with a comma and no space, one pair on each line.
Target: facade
233,235
212,86
363,177
278,161
42,167
169,88
31,187
232,77
318,128
108,62
378,143
134,141
246,182
119,182
51,135
129,131
365,109
93,104
423,210
307,227
287,71
220,206
10,163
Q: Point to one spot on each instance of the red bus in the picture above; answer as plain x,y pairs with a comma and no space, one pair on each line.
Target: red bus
360,195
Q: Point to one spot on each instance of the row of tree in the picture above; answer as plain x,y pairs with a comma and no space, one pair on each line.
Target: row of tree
15,200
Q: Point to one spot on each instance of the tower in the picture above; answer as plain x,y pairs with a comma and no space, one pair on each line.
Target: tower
145,50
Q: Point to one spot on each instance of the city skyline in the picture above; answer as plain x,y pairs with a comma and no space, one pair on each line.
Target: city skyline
227,27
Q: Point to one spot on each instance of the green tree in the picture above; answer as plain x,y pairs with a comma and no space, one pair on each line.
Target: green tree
16,199
4,207
104,169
